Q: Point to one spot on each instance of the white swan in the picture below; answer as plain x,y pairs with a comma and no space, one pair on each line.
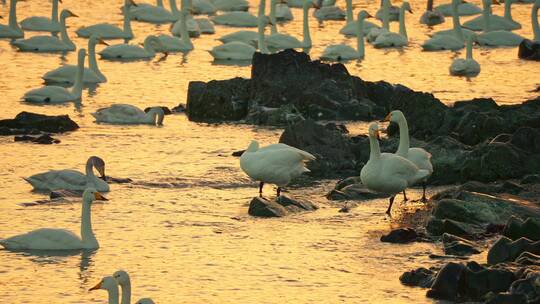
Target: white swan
12,30
133,52
386,172
49,43
124,281
175,44
110,31
418,156
71,179
57,94
60,239
43,24
431,17
391,39
247,37
457,31
236,19
393,12
350,28
373,33
495,38
278,41
192,26
331,12
231,5
450,40
343,52
152,14
280,12
203,7
111,286
128,114
205,25
465,67
505,23
274,164
464,9
68,72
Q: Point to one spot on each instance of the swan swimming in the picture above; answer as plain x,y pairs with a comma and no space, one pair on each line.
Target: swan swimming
124,281
465,67
274,164
57,94
125,51
192,26
279,12
343,52
330,12
386,172
350,28
68,72
373,33
128,114
152,14
430,16
43,24
451,40
505,23
203,7
12,30
60,239
391,39
418,156
278,41
231,5
175,44
110,31
49,43
495,38
464,9
393,12
68,179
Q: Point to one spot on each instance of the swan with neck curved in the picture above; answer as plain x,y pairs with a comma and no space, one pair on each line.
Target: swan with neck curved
530,49
43,24
68,179
124,51
126,114
68,72
278,41
465,67
386,172
110,31
60,239
124,281
330,12
452,40
430,16
464,9
418,156
55,94
350,28
274,164
495,38
343,52
111,286
391,39
505,23
49,43
12,29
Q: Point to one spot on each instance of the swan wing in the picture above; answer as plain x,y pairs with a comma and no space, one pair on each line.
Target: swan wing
421,158
38,23
443,42
40,43
43,239
59,179
103,30
279,146
390,39
282,41
277,166
125,51
339,52
48,94
67,74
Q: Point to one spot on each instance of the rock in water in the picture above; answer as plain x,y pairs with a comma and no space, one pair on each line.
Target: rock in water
264,208
529,50
421,277
506,250
401,236
455,245
28,123
516,228
446,284
44,139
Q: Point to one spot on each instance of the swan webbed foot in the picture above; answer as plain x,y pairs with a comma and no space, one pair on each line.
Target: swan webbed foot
389,210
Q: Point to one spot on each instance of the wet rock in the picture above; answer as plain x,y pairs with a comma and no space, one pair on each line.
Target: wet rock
179,109
505,298
476,284
506,250
437,226
446,284
527,139
455,245
217,101
264,208
531,179
284,115
529,50
347,181
400,236
29,123
448,155
527,258
529,286
44,139
166,110
296,205
516,228
354,192
421,277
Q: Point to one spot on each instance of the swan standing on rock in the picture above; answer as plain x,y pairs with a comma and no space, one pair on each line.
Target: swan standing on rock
530,49
68,179
505,23
495,38
43,24
49,43
12,30
60,239
465,67
390,39
68,72
57,94
448,40
418,156
274,164
110,31
431,17
278,41
343,52
128,114
123,280
386,172
133,52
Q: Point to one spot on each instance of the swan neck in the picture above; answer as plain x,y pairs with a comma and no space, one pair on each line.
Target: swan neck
127,20
184,30
455,20
159,3
486,13
403,148
534,21
386,14
508,10
148,48
126,292
360,37
349,11
273,28
13,15
92,62
63,32
76,90
54,13
113,295
174,8
262,43
402,28
375,150
87,234
469,49
307,35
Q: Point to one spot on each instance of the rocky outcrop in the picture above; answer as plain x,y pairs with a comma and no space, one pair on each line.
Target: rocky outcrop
506,250
516,228
282,206
32,123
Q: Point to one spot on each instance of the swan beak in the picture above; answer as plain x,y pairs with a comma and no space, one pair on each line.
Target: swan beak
369,15
387,118
98,286
74,15
60,1
141,44
101,41
495,2
410,11
99,197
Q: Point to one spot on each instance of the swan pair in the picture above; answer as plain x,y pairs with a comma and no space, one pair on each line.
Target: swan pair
278,41
274,164
389,173
468,66
124,51
12,30
350,28
492,37
56,94
68,179
60,239
110,31
388,39
110,284
128,114
449,39
505,23
43,24
343,52
49,43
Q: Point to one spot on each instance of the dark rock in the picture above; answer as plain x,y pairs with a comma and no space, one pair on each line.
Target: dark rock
179,109
284,115
264,208
506,250
224,100
421,277
527,258
347,181
528,287
506,298
511,187
529,50
446,284
238,153
44,139
295,205
475,284
475,186
166,110
354,192
447,158
531,179
400,236
28,123
527,139
516,228
455,245
437,226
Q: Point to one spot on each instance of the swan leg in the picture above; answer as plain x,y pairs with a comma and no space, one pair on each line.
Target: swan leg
424,199
405,196
278,191
261,184
390,206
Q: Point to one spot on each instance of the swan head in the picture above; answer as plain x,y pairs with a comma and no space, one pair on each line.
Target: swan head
94,39
154,43
121,277
107,283
159,113
145,301
363,15
67,13
373,130
91,194
406,6
253,146
99,164
394,116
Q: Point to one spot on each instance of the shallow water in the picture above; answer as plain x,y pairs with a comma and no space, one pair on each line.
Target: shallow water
181,228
